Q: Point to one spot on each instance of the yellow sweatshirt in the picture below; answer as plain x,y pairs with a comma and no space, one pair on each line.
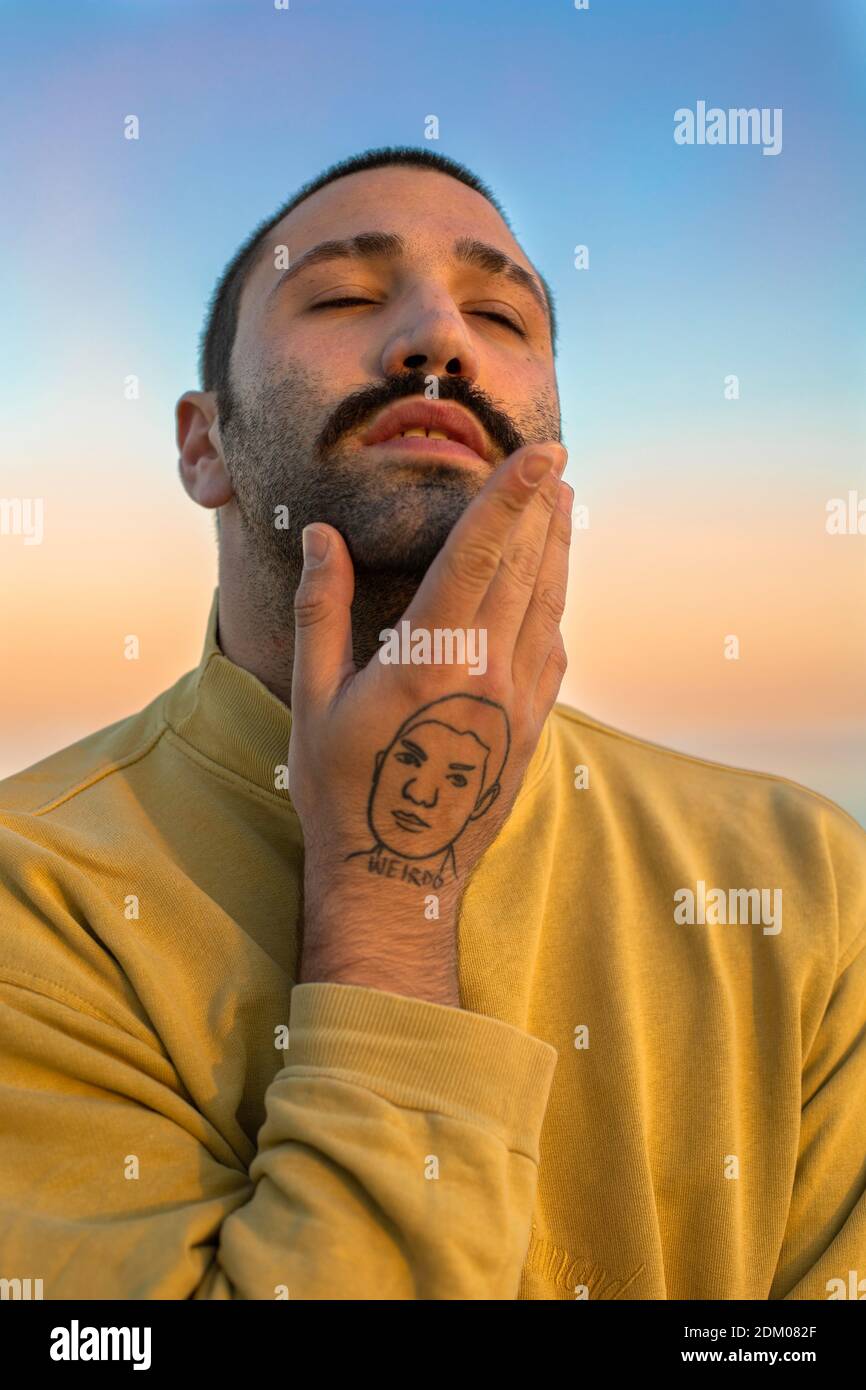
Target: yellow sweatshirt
655,1088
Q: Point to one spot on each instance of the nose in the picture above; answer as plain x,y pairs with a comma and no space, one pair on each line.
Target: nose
419,795
432,339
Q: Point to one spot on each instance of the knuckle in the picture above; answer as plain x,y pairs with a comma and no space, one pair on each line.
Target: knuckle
547,495
550,599
474,564
497,677
559,660
522,562
418,678
563,525
511,501
310,608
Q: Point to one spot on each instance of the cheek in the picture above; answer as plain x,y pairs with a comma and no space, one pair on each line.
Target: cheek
522,386
538,413
459,800
389,783
292,352
337,352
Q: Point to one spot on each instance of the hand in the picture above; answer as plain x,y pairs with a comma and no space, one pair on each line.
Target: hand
402,775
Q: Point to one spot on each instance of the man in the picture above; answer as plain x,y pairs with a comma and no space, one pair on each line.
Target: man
618,1052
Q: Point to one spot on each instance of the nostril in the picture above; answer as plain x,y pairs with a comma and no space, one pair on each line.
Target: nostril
416,360
453,367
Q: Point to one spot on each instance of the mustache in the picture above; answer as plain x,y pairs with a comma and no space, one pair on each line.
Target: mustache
356,409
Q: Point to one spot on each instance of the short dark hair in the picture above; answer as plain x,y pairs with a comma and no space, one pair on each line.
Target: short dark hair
218,334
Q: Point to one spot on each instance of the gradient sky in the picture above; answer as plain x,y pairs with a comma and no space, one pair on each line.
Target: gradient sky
707,516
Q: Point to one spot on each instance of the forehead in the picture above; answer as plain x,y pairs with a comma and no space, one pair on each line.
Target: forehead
430,210
432,734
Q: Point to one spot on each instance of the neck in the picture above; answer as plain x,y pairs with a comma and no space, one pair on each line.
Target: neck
257,624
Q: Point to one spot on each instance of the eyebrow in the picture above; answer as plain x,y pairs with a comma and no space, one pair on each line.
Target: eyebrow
495,262
415,749
390,246
452,767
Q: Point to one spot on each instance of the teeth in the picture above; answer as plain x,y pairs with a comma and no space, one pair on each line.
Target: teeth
416,432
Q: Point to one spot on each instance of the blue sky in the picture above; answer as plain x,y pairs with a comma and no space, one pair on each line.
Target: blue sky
703,262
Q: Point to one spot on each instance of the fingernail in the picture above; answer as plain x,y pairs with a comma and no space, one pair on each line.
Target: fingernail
534,467
315,545
565,497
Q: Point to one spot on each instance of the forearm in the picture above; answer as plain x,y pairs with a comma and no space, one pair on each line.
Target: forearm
393,938
398,1159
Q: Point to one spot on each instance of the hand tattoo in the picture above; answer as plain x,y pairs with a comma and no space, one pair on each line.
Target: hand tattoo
439,772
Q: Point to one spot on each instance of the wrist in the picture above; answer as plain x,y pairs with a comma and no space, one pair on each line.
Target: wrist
394,977
394,938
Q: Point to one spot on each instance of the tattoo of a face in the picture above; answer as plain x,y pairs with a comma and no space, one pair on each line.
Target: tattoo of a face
440,771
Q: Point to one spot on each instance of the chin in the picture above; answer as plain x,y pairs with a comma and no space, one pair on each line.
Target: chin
409,558
387,547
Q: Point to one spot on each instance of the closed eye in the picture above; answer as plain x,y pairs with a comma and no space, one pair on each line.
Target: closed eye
341,303
500,318
347,300
408,758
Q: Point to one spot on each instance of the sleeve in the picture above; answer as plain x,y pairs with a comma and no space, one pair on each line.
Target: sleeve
823,1253
398,1157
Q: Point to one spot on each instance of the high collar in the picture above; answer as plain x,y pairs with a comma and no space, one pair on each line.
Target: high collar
229,716
226,713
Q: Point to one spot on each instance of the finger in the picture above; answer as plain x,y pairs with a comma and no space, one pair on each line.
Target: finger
547,689
504,606
460,576
539,631
323,617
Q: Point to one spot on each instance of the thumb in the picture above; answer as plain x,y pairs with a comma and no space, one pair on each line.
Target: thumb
323,617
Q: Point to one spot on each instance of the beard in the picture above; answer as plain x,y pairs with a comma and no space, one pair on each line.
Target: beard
291,464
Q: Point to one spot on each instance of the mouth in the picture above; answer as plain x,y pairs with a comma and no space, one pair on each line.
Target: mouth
408,821
434,428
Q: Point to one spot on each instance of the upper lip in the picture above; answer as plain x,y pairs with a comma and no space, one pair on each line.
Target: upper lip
419,413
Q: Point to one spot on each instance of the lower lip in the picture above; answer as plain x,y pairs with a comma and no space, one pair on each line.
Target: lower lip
434,448
408,824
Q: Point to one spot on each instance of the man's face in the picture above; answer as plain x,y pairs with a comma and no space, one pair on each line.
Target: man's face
427,787
323,347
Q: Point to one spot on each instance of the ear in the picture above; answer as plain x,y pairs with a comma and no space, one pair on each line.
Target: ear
485,801
201,464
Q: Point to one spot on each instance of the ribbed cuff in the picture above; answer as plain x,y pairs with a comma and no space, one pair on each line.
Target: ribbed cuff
425,1056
